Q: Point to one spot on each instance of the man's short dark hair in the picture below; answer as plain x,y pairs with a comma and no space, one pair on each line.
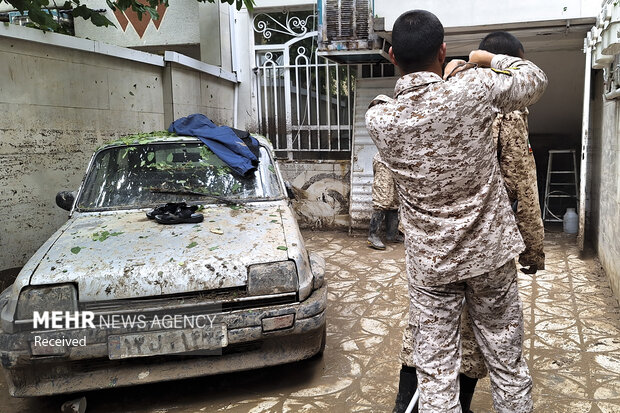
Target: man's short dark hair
417,36
502,43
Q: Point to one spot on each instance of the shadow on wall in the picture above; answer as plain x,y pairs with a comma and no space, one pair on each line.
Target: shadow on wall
321,193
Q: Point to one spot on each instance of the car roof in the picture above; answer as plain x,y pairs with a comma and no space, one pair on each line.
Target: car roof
163,137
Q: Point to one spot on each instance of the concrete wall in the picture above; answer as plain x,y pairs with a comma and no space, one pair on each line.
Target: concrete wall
58,106
605,195
322,192
188,91
60,98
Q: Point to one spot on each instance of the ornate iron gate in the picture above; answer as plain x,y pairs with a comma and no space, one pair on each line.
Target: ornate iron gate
305,102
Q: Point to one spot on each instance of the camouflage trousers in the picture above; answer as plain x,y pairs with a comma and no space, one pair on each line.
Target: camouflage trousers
497,322
472,360
384,195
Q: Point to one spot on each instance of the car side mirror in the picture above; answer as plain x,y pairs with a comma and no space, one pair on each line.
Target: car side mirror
65,199
289,190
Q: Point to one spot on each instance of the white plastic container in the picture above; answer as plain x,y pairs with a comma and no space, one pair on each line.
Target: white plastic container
571,221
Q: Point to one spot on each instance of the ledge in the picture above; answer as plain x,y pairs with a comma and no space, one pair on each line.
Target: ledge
13,31
200,66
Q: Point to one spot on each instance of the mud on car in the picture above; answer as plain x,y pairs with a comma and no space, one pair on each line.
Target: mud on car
114,298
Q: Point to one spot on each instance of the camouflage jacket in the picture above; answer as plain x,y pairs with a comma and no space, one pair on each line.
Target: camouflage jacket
436,137
518,168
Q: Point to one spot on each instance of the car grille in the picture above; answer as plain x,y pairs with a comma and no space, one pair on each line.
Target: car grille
229,299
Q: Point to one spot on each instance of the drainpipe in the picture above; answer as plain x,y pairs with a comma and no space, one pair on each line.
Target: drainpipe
585,143
233,47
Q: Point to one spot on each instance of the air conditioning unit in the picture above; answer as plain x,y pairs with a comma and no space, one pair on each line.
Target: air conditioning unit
347,33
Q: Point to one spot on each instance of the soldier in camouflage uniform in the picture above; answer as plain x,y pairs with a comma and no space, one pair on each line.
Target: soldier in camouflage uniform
384,204
516,161
518,168
461,236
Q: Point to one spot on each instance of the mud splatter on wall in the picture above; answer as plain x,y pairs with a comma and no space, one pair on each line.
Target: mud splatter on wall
321,191
57,105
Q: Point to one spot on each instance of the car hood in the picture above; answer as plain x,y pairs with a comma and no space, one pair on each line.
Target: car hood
123,254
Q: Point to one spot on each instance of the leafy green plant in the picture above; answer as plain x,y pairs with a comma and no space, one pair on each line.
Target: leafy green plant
39,11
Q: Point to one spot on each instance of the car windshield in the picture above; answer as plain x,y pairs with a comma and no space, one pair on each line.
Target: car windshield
136,176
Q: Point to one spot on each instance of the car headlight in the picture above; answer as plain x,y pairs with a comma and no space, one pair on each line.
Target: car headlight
61,297
272,278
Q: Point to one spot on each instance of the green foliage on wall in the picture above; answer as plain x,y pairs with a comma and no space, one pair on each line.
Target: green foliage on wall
39,11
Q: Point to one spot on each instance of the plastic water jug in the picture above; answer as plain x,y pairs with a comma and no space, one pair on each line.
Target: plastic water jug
571,221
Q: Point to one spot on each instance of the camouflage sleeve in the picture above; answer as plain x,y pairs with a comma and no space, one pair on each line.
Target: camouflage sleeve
514,83
376,119
512,131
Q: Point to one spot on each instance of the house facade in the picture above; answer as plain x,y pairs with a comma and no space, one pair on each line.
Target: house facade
302,72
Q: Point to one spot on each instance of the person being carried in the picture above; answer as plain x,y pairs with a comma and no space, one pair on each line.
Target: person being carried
516,158
518,169
460,233
384,205
516,161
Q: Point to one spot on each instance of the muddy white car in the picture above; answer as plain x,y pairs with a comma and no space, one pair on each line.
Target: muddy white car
115,299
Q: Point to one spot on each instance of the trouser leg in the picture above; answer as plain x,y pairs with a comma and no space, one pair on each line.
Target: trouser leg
374,241
497,318
391,232
435,319
472,362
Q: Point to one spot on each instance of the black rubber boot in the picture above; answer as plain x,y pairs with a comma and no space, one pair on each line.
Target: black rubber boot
407,386
468,385
392,232
373,237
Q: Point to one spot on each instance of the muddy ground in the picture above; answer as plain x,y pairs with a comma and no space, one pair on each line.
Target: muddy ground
572,345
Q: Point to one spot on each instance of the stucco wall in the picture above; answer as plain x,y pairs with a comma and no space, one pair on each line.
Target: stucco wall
321,190
605,196
58,106
62,97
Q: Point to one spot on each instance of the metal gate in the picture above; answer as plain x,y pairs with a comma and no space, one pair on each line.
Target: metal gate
304,100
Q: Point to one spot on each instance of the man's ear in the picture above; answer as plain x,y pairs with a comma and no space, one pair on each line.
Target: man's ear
441,56
392,58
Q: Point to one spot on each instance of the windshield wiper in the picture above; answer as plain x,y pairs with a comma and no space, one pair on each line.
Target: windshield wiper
223,200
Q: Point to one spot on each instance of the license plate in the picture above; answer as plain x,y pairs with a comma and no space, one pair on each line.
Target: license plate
167,342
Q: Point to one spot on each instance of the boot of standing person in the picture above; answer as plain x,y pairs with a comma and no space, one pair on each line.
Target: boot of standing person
374,241
392,234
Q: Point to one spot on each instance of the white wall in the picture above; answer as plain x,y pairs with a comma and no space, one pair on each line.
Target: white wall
281,4
605,196
179,26
487,12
